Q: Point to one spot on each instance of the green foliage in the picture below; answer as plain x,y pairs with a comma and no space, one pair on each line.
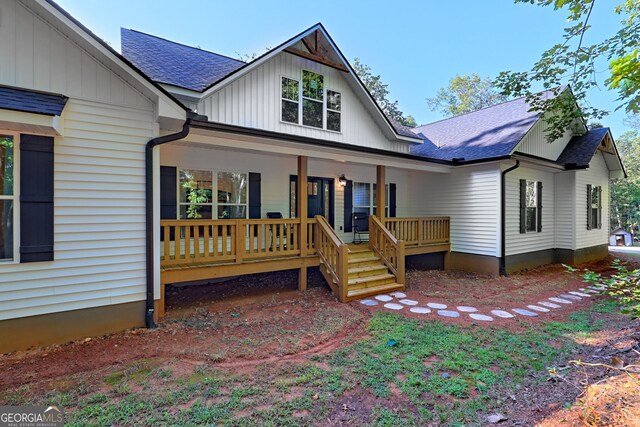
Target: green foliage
380,93
625,193
624,286
195,196
465,94
573,62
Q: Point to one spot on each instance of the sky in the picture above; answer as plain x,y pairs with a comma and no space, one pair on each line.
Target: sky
416,46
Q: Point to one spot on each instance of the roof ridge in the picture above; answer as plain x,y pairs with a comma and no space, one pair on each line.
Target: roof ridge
183,44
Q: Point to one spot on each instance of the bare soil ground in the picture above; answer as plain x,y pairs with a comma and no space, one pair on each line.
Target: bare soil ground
254,343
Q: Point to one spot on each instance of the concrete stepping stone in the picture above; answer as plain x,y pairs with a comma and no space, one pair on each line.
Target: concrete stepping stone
549,304
408,302
368,302
560,300
569,296
420,310
466,309
538,308
437,306
448,313
383,298
579,294
398,295
524,312
393,306
503,314
481,317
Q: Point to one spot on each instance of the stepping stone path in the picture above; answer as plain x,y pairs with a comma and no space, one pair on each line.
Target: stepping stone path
394,306
398,295
560,300
383,298
579,294
408,302
549,304
538,308
420,310
368,302
481,317
503,314
437,306
524,312
448,313
466,309
568,296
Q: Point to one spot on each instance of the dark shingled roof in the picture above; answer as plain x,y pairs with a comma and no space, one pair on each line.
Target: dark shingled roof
491,132
173,63
29,101
403,129
580,149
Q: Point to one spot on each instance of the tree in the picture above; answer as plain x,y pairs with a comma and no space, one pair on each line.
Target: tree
625,193
380,93
572,62
465,94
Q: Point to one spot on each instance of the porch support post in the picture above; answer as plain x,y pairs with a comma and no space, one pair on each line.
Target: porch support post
380,194
301,201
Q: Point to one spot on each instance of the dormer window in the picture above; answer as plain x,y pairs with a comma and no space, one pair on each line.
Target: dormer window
309,103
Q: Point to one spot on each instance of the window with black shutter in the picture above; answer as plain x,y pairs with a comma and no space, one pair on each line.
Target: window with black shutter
530,206
7,196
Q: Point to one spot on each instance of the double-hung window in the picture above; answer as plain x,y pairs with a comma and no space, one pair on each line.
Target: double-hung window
312,99
532,206
594,207
7,196
365,200
196,188
290,100
334,104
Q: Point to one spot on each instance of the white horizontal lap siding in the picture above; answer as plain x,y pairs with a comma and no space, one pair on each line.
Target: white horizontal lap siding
597,175
36,55
565,210
535,142
471,197
254,101
99,222
517,243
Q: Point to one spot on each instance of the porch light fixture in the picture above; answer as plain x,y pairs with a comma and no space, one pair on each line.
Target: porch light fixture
342,180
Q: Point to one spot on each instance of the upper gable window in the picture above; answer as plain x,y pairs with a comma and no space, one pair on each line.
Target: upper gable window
309,103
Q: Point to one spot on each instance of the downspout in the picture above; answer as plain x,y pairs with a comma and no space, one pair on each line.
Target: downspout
503,225
150,323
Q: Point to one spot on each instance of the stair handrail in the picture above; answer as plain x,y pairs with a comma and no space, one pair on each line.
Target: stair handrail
388,248
333,252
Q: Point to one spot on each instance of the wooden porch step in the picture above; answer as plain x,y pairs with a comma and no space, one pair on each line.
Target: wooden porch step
360,254
376,290
367,271
363,262
371,281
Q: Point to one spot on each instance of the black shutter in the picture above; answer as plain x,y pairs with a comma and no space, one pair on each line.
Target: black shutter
348,207
168,192
392,200
589,222
539,203
523,206
36,198
600,203
255,195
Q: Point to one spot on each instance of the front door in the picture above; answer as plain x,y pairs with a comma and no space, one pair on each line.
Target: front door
320,200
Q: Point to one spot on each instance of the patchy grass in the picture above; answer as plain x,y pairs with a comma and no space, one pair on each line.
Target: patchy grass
404,372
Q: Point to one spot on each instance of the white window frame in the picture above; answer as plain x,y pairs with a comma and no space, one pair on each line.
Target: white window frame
323,102
299,101
527,206
328,110
214,193
15,197
372,198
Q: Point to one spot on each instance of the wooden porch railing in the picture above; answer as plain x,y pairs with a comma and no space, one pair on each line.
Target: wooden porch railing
237,240
419,231
389,248
334,254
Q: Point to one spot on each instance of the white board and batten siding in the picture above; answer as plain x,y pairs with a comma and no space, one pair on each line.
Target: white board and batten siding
531,241
471,197
99,196
535,142
275,172
597,175
254,101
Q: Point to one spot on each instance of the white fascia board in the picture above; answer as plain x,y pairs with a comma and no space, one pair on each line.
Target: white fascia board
38,124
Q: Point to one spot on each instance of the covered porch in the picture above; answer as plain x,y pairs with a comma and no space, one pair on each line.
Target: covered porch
291,226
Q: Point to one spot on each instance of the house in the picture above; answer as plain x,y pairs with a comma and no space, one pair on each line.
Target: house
164,164
620,237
